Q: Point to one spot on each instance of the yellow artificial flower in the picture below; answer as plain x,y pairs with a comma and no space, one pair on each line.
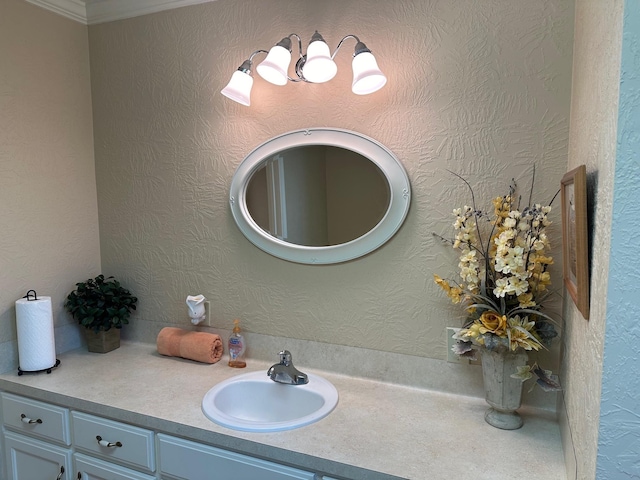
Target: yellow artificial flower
473,332
502,206
543,259
494,323
526,300
441,283
540,281
520,335
519,338
455,294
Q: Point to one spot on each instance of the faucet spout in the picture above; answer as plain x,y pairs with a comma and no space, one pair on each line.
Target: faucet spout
285,372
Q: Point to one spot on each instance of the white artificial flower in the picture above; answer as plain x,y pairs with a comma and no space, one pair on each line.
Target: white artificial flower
523,226
504,238
520,285
509,222
511,261
503,287
538,245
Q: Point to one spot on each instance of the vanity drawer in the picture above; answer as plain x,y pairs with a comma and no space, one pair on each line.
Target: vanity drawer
184,459
114,441
36,418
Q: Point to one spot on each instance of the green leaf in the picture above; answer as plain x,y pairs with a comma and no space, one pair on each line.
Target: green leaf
100,303
484,306
524,373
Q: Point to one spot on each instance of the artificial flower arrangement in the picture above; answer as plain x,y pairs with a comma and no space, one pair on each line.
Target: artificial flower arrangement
503,265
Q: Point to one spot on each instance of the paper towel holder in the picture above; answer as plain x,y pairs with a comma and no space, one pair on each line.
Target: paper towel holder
48,370
28,296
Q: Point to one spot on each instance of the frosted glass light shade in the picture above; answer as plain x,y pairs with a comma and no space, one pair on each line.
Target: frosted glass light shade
319,66
274,68
239,88
367,77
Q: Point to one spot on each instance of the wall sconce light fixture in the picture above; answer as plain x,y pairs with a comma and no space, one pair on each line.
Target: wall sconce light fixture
316,66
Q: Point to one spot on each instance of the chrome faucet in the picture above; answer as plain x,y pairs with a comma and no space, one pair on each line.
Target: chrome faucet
285,372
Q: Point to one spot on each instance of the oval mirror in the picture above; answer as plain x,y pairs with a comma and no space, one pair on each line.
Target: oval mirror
319,196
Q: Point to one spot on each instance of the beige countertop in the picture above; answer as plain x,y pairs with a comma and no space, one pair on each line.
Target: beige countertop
377,431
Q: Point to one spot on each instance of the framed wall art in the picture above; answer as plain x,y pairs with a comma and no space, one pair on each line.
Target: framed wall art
575,243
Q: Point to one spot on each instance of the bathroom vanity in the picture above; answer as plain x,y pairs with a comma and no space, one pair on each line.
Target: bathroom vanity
135,415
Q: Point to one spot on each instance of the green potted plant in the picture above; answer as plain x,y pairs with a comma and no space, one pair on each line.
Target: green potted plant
102,306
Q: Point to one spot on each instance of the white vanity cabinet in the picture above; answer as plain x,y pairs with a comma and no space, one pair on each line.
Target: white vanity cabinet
50,442
39,444
186,460
36,439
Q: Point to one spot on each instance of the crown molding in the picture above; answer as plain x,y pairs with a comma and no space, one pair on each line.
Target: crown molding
101,11
91,12
73,9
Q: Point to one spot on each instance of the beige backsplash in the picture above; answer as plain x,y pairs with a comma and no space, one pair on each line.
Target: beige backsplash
408,370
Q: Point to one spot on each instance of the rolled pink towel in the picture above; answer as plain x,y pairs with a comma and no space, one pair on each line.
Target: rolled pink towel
198,346
169,340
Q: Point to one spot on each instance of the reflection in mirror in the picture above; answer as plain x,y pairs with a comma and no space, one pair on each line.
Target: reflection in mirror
317,195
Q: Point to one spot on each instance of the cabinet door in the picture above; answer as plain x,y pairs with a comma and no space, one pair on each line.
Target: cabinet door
31,459
188,460
89,468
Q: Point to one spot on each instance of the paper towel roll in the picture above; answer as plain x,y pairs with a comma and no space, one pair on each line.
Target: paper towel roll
36,343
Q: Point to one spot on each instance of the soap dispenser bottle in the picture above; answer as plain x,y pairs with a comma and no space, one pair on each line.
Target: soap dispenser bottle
237,346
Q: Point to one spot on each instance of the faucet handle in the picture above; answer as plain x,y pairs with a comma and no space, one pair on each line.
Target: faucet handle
285,358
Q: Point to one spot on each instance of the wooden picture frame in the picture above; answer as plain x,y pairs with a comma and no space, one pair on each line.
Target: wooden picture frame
575,243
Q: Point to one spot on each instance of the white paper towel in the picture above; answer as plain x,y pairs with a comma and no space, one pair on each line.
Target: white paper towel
36,343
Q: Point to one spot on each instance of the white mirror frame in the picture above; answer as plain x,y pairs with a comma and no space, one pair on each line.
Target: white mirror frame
399,201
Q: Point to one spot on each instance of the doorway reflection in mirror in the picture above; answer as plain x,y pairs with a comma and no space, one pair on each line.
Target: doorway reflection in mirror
318,195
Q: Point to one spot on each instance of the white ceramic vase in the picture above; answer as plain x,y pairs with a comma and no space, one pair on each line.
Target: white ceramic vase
502,393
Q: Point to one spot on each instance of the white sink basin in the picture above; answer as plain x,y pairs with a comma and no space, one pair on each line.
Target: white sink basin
252,402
